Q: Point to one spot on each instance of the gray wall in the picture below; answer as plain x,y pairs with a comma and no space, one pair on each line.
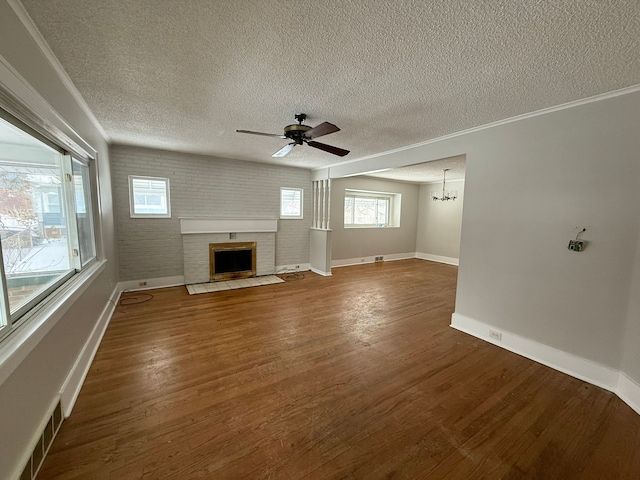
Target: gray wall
28,393
358,242
573,168
439,223
201,186
631,358
568,168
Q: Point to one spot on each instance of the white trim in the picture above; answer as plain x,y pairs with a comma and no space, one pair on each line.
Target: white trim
72,385
132,195
578,367
42,44
19,344
301,204
629,392
27,97
302,267
388,257
320,272
158,282
192,225
524,116
438,258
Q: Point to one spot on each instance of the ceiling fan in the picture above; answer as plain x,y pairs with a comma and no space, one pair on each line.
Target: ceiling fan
299,134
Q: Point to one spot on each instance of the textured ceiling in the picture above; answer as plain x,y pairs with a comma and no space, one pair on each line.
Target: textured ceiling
428,172
184,75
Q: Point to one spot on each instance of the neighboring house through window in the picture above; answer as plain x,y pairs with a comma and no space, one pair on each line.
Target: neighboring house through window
46,237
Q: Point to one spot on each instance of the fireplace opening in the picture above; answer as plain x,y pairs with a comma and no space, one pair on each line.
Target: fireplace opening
232,260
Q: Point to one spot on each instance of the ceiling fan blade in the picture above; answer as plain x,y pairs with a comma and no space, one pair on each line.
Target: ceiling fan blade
284,150
341,152
260,133
320,130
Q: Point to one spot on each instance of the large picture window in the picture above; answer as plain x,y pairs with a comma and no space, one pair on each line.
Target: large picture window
46,236
371,209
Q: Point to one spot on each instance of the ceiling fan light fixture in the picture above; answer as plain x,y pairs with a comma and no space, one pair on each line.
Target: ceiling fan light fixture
300,134
284,150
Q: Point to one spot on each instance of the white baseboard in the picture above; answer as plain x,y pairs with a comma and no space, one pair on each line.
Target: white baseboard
320,272
346,262
629,392
438,258
72,385
578,367
159,282
301,267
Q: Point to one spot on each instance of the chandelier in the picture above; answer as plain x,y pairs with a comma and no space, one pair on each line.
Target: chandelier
447,195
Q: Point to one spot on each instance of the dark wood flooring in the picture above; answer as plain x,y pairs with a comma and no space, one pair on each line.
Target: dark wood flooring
354,376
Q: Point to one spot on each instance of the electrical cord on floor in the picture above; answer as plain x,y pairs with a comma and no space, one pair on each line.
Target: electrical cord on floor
134,300
289,276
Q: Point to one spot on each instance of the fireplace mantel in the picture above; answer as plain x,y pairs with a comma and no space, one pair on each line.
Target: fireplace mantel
191,225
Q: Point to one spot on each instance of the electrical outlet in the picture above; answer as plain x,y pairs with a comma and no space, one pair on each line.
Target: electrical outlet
379,259
142,284
495,334
297,267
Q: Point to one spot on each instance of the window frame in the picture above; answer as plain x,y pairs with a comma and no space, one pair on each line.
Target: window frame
89,209
393,208
167,193
300,203
38,306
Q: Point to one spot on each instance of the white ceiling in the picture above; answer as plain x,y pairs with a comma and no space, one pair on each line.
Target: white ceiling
428,172
184,76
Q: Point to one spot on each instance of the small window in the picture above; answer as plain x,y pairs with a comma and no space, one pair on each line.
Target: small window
149,197
290,202
371,209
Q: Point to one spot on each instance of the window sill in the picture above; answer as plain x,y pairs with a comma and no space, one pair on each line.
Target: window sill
371,226
19,343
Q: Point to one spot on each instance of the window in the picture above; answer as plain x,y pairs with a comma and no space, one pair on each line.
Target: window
149,197
46,237
290,202
84,212
371,209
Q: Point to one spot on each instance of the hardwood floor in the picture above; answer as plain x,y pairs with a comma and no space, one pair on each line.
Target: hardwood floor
355,376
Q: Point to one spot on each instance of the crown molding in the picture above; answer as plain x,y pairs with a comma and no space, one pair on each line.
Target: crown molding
44,47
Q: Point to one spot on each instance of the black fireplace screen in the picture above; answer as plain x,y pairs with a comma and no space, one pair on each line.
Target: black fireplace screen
229,261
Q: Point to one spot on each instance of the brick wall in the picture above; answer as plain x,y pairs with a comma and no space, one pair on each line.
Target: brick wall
201,186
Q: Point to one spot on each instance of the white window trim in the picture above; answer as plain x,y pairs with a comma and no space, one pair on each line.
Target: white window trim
132,198
39,321
21,106
393,215
293,217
